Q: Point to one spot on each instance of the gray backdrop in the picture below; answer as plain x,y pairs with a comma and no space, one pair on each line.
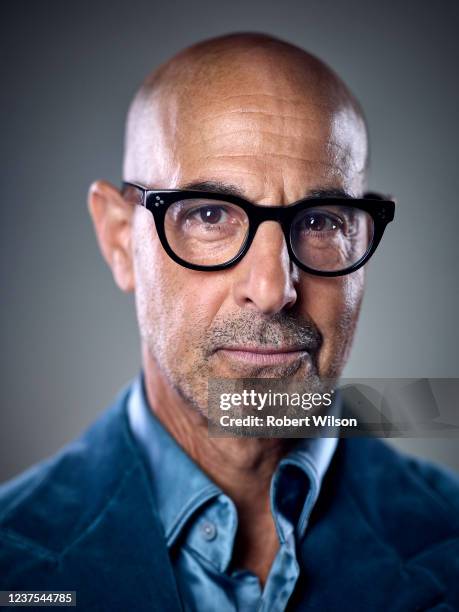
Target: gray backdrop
69,338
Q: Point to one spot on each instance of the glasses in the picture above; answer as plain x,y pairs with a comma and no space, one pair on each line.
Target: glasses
326,236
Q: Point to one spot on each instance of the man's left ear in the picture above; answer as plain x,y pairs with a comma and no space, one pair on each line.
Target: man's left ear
112,217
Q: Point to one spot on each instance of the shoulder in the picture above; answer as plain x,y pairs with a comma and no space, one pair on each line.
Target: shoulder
410,503
76,521
48,505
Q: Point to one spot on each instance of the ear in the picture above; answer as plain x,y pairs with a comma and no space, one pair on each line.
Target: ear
112,219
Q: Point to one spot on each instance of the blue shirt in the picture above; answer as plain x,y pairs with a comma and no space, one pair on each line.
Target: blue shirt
200,522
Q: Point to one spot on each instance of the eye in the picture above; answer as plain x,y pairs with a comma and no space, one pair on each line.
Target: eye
321,222
210,214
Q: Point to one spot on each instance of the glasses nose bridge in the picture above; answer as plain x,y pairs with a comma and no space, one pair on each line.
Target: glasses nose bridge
273,213
280,215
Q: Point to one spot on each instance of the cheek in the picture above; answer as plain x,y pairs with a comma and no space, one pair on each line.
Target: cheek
334,304
328,300
175,305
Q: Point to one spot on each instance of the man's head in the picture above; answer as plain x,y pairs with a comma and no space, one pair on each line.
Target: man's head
257,114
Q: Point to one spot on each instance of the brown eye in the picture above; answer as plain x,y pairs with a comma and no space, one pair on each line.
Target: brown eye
320,222
211,214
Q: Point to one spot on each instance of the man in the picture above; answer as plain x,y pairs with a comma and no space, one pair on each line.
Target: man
146,511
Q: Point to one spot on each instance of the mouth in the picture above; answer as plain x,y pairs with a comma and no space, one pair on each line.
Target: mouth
262,355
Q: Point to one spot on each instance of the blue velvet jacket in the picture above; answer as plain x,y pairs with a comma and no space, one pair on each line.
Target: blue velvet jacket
383,535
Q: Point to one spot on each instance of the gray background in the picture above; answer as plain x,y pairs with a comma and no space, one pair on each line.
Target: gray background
69,338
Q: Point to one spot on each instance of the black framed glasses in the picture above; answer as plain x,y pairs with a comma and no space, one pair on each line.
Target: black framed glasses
326,236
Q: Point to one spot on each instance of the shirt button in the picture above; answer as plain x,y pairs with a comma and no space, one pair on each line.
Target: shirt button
208,530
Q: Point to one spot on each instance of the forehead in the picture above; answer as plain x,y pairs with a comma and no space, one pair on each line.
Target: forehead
262,130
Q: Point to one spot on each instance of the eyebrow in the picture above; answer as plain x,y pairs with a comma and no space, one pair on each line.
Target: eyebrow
234,190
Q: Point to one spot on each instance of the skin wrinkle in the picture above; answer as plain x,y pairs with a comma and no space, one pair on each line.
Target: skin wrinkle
268,133
248,130
281,117
177,133
243,111
290,101
299,159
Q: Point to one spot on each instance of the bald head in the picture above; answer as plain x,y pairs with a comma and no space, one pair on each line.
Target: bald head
239,98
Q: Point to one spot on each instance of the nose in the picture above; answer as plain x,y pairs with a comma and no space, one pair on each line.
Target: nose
266,277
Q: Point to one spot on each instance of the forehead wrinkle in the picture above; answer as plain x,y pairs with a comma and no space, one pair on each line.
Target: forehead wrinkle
307,100
340,132
270,176
306,107
267,133
244,111
339,155
277,155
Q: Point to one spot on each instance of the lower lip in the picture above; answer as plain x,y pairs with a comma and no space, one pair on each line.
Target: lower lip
263,358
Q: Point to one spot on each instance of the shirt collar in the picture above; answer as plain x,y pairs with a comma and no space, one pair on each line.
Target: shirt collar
180,487
297,481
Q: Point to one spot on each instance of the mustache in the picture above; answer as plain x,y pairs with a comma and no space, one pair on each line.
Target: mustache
280,329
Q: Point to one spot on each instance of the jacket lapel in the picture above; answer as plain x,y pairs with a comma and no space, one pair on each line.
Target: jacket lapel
121,562
118,559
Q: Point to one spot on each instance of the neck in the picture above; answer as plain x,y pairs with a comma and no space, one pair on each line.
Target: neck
241,467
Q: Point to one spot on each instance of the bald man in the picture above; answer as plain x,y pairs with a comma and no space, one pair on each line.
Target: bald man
243,229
